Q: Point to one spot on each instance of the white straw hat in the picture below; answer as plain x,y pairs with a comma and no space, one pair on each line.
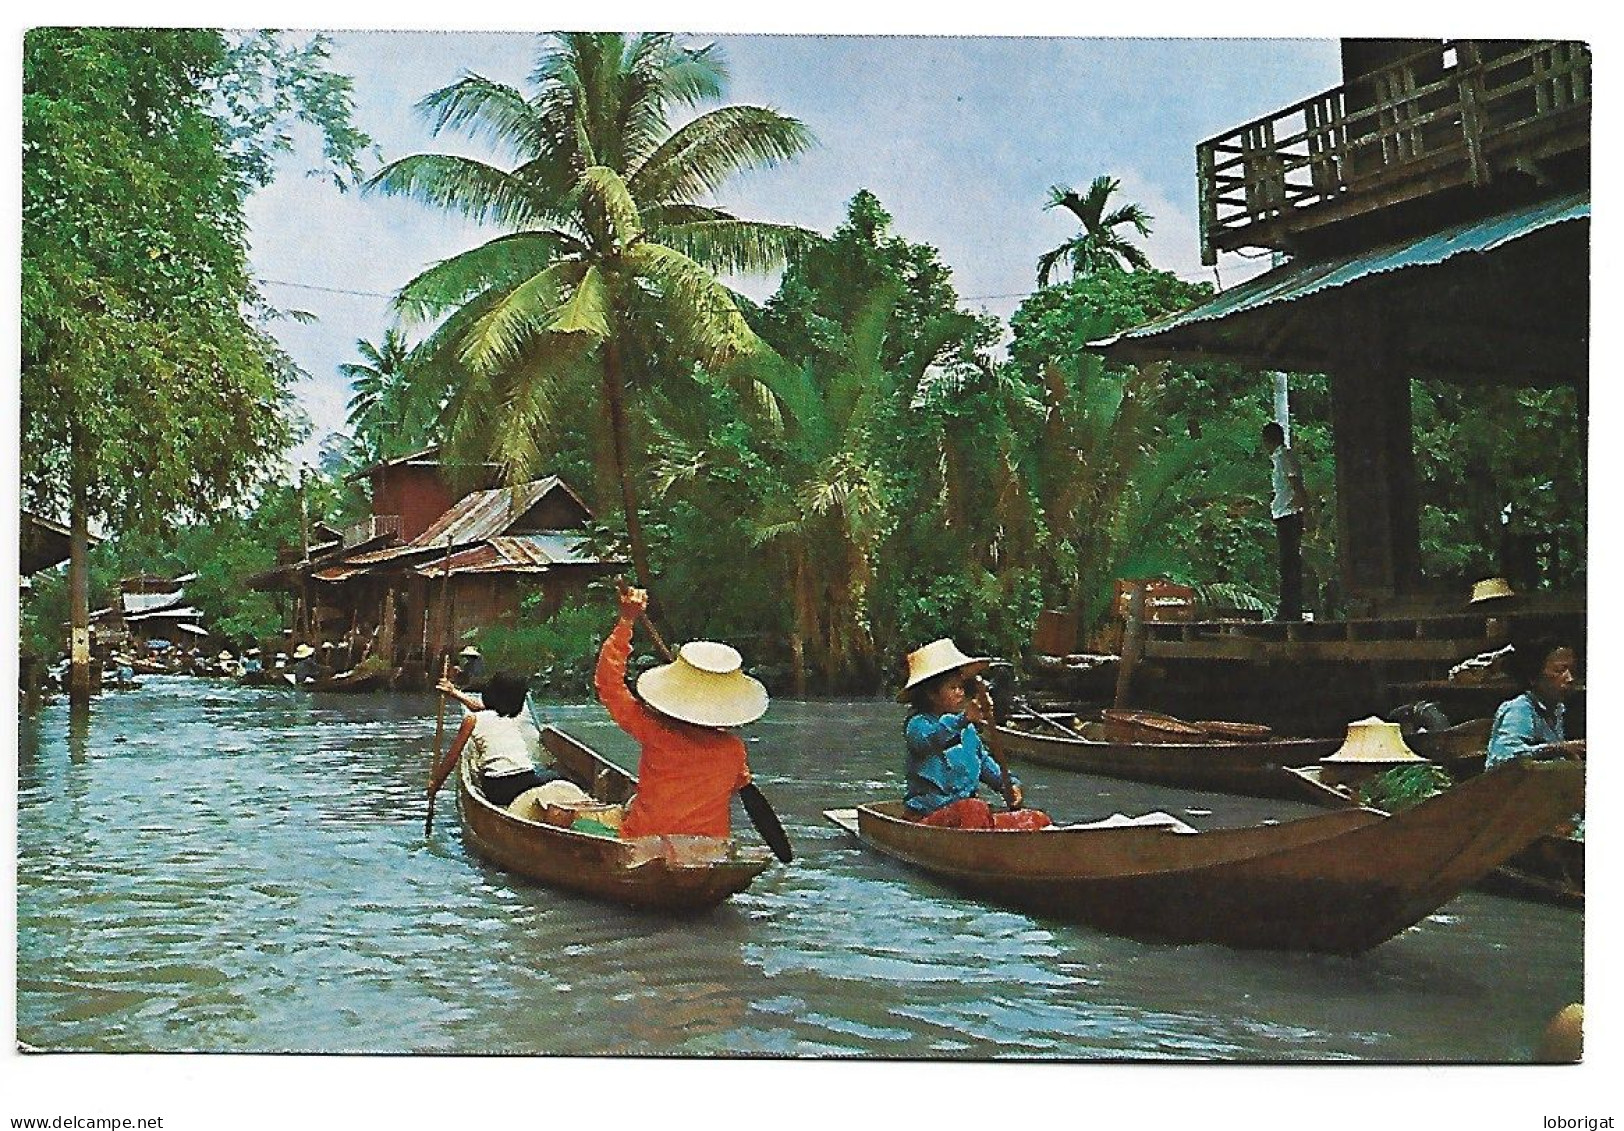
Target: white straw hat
934,659
224,655
704,685
1374,740
303,652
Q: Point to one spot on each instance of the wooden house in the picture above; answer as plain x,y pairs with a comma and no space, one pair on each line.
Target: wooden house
418,599
1433,215
151,608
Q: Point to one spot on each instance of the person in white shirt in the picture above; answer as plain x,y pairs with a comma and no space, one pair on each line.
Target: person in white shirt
506,745
1287,507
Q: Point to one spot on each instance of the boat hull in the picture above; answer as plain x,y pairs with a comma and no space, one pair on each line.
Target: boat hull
597,866
1339,882
1252,768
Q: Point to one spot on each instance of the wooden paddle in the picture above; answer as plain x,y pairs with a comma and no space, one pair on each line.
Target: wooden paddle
995,745
439,739
756,805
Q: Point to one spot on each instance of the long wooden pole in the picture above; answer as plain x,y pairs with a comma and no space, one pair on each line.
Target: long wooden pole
439,741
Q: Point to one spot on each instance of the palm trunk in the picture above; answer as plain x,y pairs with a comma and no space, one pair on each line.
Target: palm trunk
615,395
78,578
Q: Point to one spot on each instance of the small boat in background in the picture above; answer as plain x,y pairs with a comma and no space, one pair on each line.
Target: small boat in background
1339,882
1253,766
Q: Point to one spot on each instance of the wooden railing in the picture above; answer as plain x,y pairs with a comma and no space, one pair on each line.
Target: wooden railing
1435,119
373,526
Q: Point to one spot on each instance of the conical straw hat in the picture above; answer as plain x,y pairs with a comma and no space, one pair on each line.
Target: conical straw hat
934,659
1490,588
704,685
1374,740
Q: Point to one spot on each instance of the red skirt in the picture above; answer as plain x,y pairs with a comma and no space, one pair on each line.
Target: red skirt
974,813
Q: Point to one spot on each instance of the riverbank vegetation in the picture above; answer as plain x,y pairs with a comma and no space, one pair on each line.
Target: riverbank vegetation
857,465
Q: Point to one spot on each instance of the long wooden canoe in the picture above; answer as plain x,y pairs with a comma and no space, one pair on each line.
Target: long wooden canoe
1550,869
594,865
1253,768
1340,882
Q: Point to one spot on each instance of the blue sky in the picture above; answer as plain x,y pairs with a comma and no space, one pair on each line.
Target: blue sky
960,138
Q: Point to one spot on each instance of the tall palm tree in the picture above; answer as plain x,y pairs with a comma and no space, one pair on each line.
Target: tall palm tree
389,413
606,231
1099,245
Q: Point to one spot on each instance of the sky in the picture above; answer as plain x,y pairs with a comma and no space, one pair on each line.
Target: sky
960,138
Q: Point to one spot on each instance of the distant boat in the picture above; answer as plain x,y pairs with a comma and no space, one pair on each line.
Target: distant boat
1254,767
605,867
1340,882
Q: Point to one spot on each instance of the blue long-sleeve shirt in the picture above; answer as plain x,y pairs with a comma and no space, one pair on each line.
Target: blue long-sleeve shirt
946,760
1520,725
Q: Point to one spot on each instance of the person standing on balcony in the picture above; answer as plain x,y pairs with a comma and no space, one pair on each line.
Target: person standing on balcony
1287,508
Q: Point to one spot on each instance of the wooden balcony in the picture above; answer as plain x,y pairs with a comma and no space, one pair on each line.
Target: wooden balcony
373,526
1456,116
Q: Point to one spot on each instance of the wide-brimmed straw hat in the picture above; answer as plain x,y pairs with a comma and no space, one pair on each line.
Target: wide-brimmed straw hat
704,685
303,652
1374,740
224,655
937,658
469,651
1489,589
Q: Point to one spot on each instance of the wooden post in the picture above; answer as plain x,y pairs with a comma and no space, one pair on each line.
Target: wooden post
1133,644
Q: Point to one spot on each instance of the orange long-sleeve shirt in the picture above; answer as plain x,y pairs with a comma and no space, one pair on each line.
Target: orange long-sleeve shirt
687,774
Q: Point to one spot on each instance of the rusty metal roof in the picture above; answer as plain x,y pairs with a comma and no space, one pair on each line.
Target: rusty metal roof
519,553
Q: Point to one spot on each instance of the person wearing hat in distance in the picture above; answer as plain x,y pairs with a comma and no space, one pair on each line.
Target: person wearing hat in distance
470,667
305,666
946,757
1533,724
507,745
691,764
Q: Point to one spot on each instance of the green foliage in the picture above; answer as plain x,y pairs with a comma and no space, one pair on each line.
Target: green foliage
608,239
1099,247
1498,463
1403,787
142,377
390,413
558,653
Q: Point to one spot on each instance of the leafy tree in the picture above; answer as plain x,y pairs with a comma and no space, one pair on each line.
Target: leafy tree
389,413
606,228
150,387
1099,246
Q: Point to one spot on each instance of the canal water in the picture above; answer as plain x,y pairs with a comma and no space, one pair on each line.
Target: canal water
224,869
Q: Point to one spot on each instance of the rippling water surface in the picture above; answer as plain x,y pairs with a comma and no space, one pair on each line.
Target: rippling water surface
215,868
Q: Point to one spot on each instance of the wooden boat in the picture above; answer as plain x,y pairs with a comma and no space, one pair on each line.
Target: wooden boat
1550,869
1340,882
1253,768
595,865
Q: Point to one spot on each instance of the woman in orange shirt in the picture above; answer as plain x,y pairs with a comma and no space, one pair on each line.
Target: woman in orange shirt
691,764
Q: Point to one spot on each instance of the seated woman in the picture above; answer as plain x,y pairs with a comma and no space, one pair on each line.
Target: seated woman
506,746
946,757
691,764
1533,725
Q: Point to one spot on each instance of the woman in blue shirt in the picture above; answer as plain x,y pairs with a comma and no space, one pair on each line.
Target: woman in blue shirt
947,760
1533,725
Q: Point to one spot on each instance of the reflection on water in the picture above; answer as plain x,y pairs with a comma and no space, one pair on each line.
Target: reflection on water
203,867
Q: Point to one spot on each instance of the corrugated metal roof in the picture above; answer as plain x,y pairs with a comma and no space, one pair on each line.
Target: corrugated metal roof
136,604
165,613
1298,280
519,553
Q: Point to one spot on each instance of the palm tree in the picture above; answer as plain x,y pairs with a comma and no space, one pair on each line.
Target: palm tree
389,413
1098,246
606,233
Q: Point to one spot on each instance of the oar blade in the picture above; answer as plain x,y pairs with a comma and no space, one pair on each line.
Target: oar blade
766,822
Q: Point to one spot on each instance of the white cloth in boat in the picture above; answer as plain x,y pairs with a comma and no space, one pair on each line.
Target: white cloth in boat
1147,820
529,803
504,744
678,850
